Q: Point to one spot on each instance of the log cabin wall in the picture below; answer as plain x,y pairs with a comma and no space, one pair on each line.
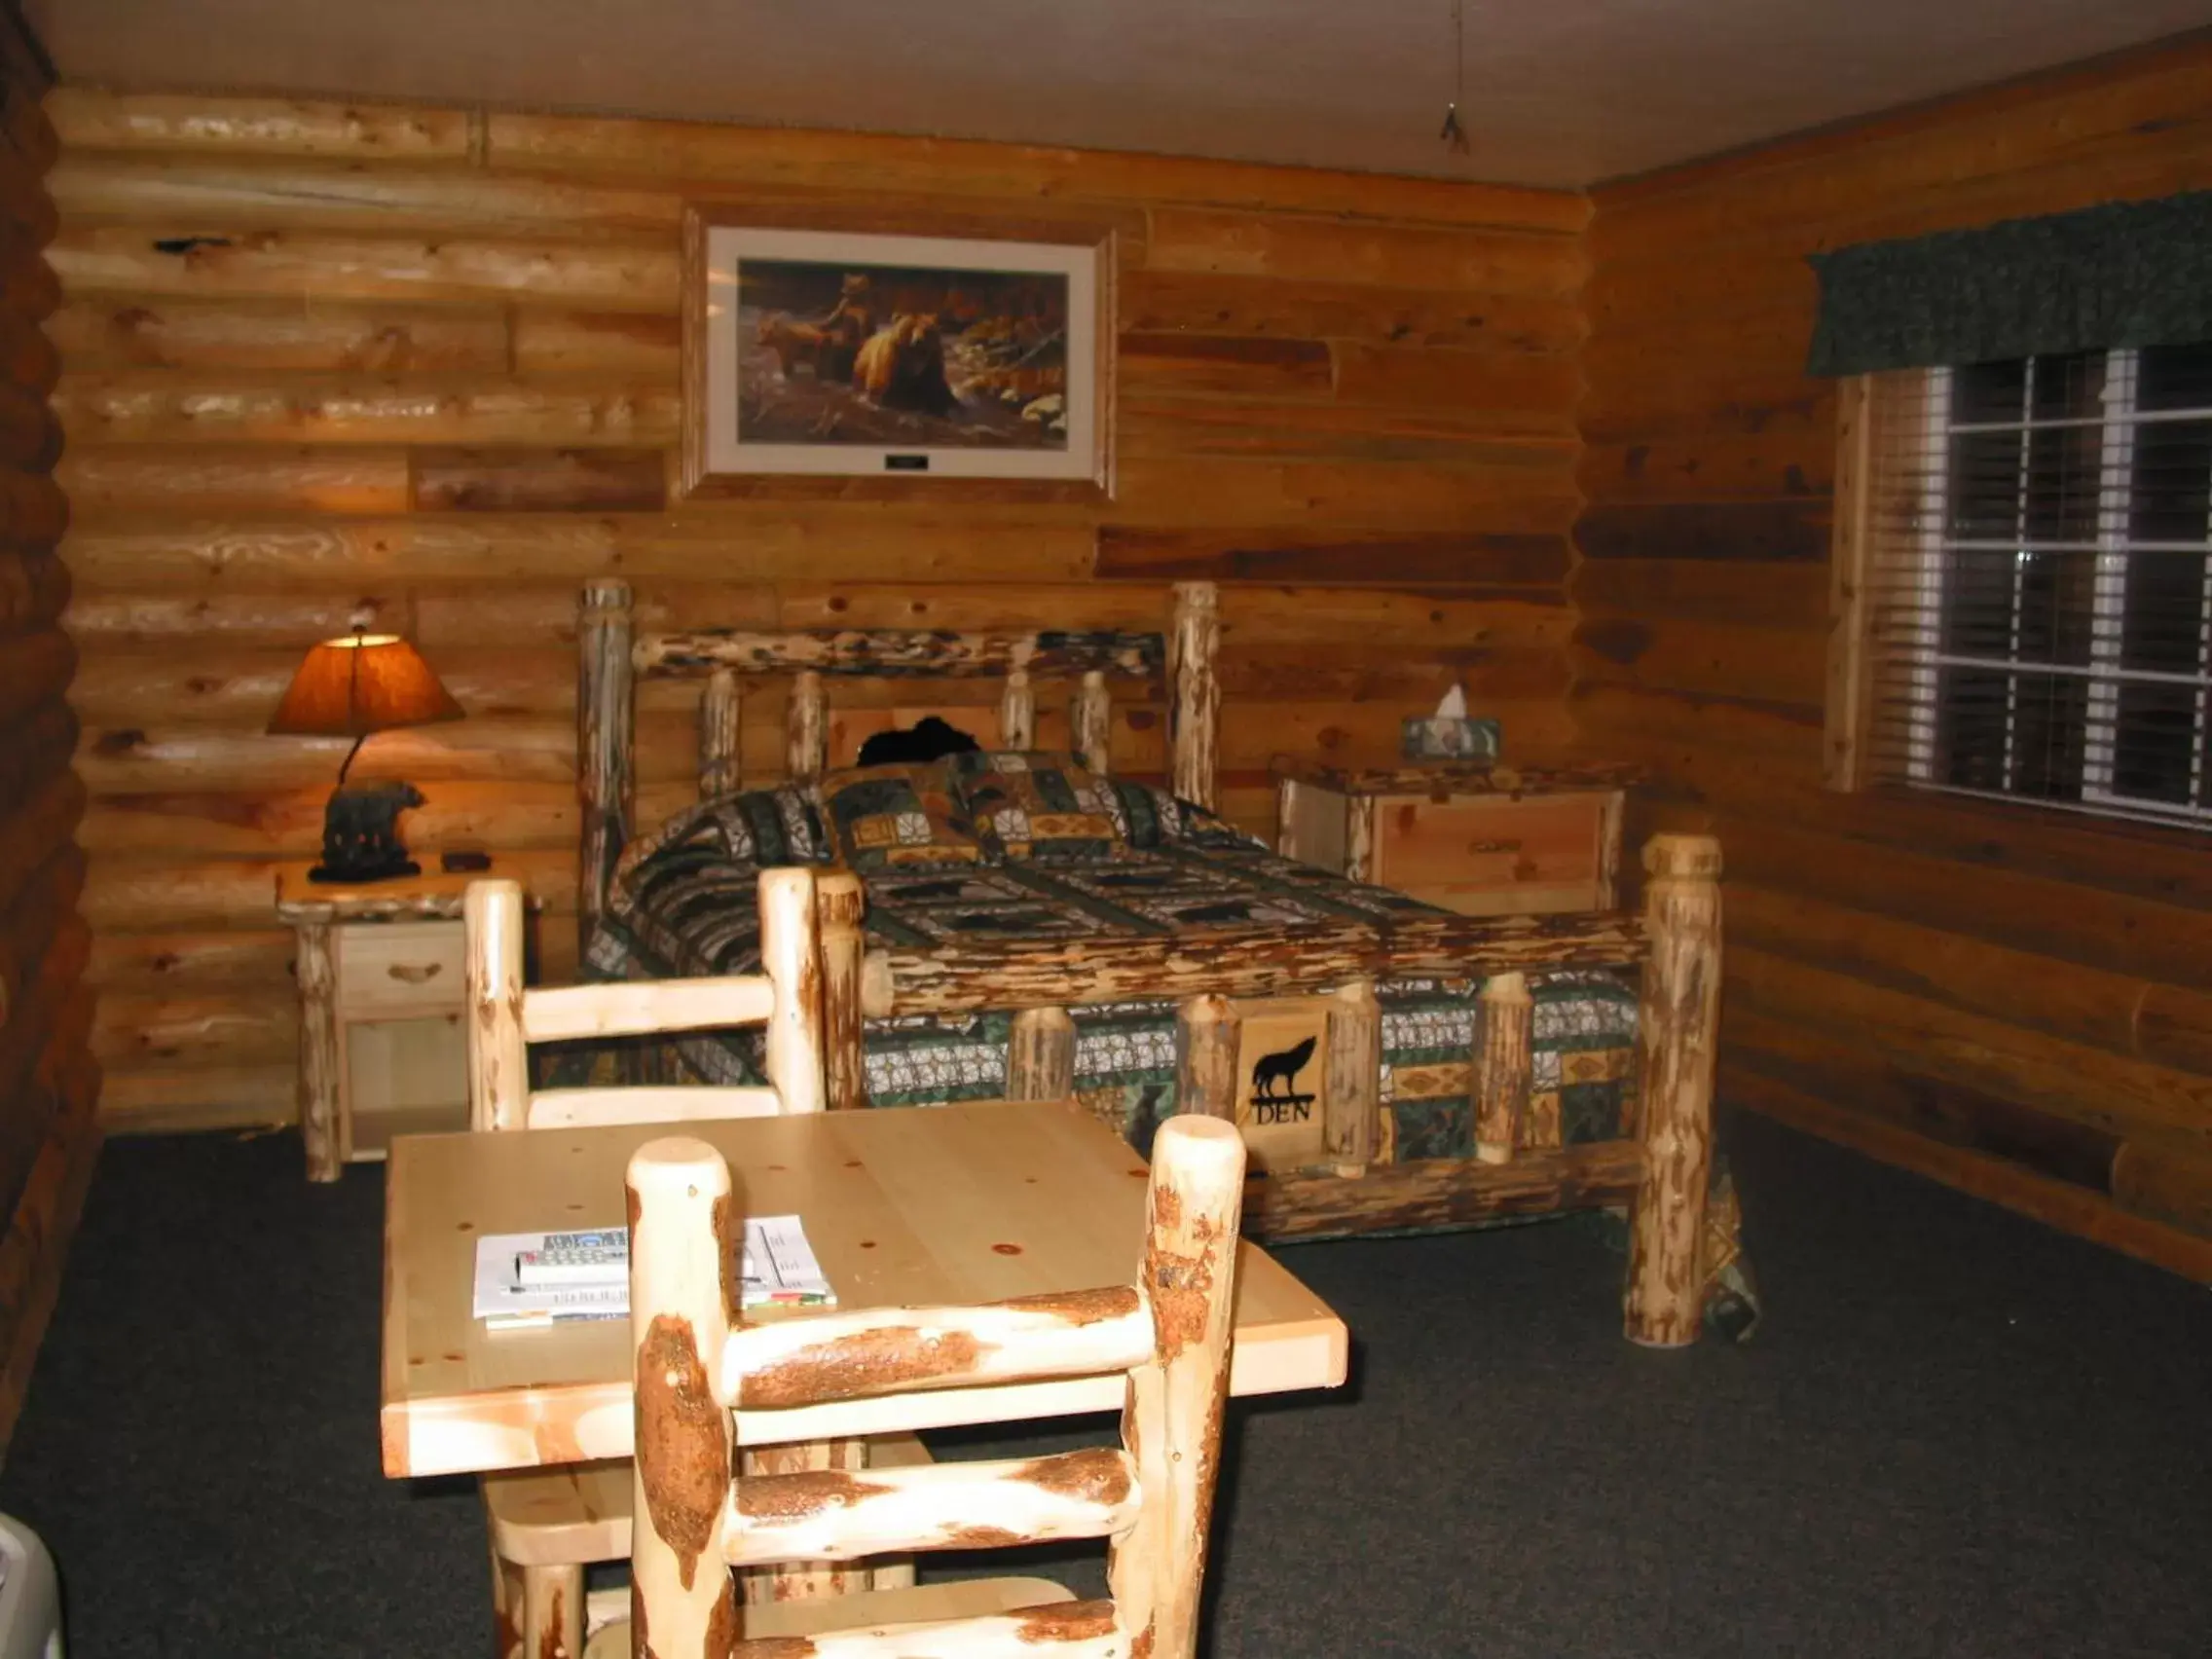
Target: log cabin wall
2016,1002
419,366
48,1081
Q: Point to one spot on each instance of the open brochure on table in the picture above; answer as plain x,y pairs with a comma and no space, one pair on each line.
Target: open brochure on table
515,1289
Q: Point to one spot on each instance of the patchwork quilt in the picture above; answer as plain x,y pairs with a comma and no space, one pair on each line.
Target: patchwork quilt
684,903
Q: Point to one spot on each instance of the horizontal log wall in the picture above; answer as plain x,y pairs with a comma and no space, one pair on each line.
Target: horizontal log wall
2016,1002
331,362
48,1080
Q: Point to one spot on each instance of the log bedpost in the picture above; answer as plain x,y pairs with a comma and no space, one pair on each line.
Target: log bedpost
791,955
1504,1066
839,904
1090,722
1018,710
722,718
1286,818
605,720
1359,838
1172,1422
806,730
1194,714
316,964
1352,1108
685,1230
1677,1039
498,1058
1039,1055
1206,1032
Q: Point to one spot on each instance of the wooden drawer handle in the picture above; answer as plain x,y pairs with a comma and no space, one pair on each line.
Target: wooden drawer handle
1493,846
411,974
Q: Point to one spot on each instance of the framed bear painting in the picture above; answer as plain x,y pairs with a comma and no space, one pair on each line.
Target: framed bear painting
839,355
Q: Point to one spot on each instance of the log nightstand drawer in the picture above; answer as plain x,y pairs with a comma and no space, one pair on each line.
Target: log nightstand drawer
383,1052
1494,842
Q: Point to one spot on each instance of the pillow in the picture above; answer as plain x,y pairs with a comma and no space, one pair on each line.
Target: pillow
1039,804
887,816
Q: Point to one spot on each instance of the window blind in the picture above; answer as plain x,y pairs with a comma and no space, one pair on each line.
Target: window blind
2039,580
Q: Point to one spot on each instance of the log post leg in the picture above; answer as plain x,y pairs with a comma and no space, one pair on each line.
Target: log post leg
1286,818
1352,1108
1172,1422
1677,1039
1090,722
553,1612
1359,838
1193,711
804,1580
606,740
498,1058
722,718
1504,1024
684,1226
791,955
1017,712
838,905
321,1134
507,1609
806,730
1206,1032
1039,1055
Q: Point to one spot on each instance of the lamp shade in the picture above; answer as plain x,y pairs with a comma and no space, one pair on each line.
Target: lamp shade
362,684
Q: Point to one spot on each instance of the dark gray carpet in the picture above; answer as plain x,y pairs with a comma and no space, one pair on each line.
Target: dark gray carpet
1957,1434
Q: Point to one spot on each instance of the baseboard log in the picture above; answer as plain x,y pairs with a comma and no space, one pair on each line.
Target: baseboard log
1442,1192
606,743
1502,1065
1678,1048
1206,1032
722,718
1039,1055
1352,1106
840,902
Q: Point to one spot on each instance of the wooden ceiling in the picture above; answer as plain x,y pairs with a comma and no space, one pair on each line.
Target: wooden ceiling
1557,93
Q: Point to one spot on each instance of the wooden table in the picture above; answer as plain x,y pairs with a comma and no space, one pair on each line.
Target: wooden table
915,1207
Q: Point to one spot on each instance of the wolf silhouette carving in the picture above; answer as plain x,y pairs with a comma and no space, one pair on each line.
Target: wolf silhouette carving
1282,1067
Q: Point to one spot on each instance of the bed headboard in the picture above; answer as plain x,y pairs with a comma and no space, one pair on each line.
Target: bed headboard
612,656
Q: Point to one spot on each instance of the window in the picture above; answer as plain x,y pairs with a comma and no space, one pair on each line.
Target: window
2030,580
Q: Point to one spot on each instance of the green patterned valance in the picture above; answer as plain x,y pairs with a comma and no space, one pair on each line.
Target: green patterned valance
2129,274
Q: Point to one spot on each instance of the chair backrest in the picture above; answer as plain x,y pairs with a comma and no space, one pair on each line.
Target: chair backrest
1152,1497
786,997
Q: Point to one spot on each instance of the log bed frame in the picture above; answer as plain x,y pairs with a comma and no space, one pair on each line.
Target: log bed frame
1659,1168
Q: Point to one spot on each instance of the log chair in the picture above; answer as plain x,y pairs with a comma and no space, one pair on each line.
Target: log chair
1152,1497
547,1525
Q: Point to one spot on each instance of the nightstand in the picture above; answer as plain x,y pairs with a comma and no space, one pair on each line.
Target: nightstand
1481,840
381,1048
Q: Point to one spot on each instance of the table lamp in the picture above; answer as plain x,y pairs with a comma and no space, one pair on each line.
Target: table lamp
355,688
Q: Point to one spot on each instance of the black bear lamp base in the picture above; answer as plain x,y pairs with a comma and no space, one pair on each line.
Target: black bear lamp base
360,834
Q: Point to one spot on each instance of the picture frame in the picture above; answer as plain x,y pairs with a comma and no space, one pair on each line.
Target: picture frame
906,358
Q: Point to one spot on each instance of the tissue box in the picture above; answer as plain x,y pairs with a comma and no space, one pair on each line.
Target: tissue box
1428,737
